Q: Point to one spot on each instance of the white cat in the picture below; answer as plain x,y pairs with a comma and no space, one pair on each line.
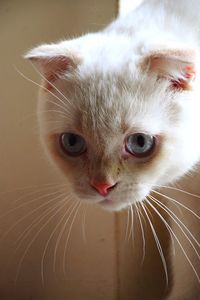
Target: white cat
122,105
119,113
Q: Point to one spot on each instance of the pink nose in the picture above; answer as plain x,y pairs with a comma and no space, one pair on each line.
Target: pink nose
103,188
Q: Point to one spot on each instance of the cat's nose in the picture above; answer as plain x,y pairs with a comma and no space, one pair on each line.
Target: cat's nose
103,188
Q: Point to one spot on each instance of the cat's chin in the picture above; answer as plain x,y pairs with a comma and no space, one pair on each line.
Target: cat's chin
106,204
111,205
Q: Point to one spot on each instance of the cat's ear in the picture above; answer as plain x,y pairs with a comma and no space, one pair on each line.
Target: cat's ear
52,61
178,66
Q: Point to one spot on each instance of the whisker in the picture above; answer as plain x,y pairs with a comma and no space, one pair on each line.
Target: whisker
157,244
57,187
142,231
84,223
61,234
27,215
59,106
46,185
132,223
171,214
39,85
52,85
33,239
184,252
176,205
173,200
49,239
68,236
48,111
171,237
36,221
127,224
179,190
27,203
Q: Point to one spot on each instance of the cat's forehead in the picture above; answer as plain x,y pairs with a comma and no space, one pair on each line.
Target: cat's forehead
113,104
100,107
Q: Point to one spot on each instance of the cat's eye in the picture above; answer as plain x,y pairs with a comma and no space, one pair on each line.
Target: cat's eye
72,144
140,144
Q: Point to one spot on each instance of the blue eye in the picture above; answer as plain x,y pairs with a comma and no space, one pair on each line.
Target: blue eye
72,144
140,144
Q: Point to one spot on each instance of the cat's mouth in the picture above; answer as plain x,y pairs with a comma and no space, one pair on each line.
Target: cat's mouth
118,199
115,201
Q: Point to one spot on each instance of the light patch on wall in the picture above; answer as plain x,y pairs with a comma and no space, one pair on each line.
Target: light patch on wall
127,5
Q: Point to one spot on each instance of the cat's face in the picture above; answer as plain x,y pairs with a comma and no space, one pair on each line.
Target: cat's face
115,129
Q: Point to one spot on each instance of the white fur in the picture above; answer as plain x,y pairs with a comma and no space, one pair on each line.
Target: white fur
108,87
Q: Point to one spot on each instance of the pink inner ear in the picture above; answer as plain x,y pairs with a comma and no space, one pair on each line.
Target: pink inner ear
188,76
52,67
176,65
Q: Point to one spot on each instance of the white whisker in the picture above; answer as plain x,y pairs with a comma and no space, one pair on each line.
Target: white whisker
157,244
61,233
56,97
84,223
177,220
142,231
52,85
179,190
127,224
173,200
29,214
43,186
171,237
58,189
28,202
132,223
50,237
33,239
68,236
193,268
40,218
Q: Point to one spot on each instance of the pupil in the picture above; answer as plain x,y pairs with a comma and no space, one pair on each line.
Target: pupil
141,141
72,140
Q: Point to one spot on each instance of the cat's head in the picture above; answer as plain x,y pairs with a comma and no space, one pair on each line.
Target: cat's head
118,120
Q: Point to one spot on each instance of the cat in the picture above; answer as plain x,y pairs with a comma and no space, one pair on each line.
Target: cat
123,104
119,109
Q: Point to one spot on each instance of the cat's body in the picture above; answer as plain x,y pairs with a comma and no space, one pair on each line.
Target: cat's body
119,109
